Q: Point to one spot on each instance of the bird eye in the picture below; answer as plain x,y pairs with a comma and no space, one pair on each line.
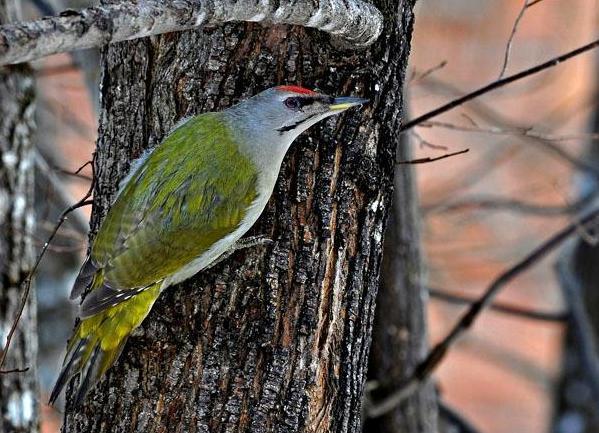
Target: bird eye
292,104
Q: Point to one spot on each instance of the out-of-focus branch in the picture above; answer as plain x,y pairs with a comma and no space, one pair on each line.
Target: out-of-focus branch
27,282
437,354
499,83
500,307
44,7
526,132
454,420
354,21
428,159
580,326
58,188
513,205
508,46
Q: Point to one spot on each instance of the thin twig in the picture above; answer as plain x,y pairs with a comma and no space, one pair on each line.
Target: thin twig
428,159
14,370
26,285
76,173
500,307
424,143
421,76
498,203
492,116
58,188
437,354
508,47
526,132
499,83
456,419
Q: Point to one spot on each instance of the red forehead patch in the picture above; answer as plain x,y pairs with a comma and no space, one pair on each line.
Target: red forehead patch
296,89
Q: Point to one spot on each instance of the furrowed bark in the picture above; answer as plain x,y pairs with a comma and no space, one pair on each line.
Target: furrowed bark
400,331
354,21
18,390
274,339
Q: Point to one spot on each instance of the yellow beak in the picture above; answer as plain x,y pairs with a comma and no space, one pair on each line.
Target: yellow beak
343,103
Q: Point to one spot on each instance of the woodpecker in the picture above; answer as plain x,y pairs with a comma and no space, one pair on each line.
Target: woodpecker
182,206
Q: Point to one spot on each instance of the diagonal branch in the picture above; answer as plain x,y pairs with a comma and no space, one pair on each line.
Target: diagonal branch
355,21
437,354
499,83
510,41
501,307
26,284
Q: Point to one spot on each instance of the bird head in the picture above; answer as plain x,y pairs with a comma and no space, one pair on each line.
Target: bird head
278,115
293,109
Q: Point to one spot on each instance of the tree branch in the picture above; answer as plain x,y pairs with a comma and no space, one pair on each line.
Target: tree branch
455,419
27,282
428,159
356,22
580,326
513,310
437,354
499,83
499,203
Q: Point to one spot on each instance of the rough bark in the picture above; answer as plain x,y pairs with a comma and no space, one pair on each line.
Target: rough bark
274,339
399,339
354,21
18,391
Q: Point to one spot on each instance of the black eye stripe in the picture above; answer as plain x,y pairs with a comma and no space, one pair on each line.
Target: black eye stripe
299,101
306,101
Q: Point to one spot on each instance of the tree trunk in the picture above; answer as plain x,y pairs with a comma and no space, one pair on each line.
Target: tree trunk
18,390
399,339
275,338
577,396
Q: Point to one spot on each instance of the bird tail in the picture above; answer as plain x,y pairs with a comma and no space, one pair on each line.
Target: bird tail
99,339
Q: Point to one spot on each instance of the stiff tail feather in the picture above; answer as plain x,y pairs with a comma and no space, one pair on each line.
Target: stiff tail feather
99,339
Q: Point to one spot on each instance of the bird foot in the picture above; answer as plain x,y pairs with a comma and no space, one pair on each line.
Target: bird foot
252,241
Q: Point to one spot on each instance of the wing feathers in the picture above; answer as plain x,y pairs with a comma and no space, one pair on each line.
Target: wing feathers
105,297
84,279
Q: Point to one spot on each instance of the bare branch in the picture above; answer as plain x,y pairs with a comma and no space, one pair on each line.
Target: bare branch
79,219
522,131
421,76
423,143
455,419
437,354
356,22
433,158
491,202
499,83
508,47
500,307
26,285
14,370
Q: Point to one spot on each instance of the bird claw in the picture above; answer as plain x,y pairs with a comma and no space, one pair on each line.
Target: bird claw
252,241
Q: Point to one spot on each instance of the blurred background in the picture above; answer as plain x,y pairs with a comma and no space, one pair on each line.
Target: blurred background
525,175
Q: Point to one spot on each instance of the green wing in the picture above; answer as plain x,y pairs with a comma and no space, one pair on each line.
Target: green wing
170,211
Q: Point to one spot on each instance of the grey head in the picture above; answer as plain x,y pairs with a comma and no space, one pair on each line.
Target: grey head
269,122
